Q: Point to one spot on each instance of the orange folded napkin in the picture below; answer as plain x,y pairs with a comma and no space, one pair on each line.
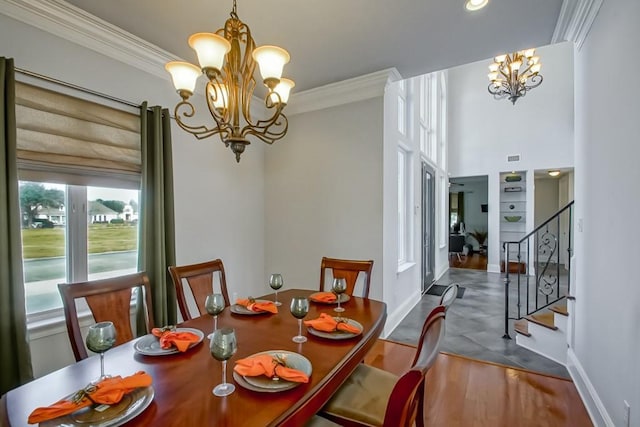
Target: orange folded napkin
257,306
108,392
327,323
270,366
324,297
181,340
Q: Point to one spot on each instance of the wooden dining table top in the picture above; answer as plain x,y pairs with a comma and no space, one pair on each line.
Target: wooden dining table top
183,382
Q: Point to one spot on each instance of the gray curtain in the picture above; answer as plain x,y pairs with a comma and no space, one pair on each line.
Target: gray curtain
157,225
15,357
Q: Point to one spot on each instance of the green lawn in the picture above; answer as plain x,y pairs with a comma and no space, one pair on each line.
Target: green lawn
49,242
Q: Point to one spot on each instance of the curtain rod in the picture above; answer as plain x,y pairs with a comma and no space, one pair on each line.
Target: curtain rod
76,87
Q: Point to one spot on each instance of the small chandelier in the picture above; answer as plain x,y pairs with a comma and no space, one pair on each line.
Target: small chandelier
513,75
230,86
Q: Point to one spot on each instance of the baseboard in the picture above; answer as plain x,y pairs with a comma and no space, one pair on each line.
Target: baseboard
493,268
595,407
394,319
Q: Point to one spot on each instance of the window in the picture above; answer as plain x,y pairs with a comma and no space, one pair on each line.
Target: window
79,165
405,237
444,226
74,233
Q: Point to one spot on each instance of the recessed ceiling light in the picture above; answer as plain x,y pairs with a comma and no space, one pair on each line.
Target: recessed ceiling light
554,173
475,4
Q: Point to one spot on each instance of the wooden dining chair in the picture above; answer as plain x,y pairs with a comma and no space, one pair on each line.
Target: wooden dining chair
373,397
449,295
108,300
349,270
199,278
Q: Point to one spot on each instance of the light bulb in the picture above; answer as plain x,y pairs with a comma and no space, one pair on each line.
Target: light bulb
472,5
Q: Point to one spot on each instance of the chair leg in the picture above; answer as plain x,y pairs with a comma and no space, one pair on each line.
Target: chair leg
420,416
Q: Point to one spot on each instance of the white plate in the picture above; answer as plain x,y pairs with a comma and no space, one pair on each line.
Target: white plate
265,384
337,335
240,309
343,298
149,345
129,407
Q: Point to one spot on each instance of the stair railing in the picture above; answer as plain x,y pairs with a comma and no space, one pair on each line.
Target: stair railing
541,280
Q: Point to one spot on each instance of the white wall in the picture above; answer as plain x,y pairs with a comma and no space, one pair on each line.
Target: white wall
219,204
323,193
484,131
546,199
607,307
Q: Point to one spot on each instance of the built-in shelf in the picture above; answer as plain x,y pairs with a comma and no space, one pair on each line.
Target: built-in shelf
513,203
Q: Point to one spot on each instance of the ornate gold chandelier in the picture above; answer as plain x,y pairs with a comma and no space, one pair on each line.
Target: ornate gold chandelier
513,75
230,86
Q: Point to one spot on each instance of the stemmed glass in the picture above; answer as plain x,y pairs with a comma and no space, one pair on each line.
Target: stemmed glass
299,309
214,304
276,282
100,338
339,286
223,345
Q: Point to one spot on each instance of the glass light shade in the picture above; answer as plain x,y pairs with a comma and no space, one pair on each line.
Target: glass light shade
536,68
184,75
529,53
515,65
492,76
500,58
211,49
219,95
494,67
475,4
283,89
271,60
554,173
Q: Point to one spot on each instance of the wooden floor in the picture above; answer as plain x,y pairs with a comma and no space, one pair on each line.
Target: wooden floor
466,392
475,261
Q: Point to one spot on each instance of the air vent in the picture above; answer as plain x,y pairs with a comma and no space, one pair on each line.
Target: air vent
513,158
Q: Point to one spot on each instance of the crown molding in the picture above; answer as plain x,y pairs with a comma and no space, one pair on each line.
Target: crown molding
575,20
71,23
344,92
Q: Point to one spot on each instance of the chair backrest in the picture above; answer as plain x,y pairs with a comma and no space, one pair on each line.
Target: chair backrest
108,300
199,277
406,402
456,242
449,295
349,270
430,337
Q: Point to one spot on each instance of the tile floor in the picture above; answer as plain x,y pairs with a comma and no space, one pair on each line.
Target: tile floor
475,323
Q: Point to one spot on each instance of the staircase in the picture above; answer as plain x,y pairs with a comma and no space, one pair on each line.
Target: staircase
545,332
536,294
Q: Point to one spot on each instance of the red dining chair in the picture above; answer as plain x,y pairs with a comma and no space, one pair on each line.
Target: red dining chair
449,295
199,278
349,270
373,397
108,300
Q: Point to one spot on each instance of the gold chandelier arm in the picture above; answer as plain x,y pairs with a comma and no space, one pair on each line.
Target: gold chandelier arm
272,133
535,80
200,132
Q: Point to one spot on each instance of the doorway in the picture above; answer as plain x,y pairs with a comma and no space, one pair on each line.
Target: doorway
428,226
468,222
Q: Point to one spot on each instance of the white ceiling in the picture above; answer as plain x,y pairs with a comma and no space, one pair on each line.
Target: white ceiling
332,40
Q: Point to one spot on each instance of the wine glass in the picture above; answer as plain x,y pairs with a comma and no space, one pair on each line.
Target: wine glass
214,304
299,309
276,282
100,338
223,345
339,286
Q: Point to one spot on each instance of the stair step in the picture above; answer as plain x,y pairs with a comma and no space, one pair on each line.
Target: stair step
543,319
522,327
560,309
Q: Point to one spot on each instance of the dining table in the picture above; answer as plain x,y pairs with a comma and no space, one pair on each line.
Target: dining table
183,381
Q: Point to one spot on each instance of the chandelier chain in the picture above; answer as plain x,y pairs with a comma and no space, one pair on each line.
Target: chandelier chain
234,11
